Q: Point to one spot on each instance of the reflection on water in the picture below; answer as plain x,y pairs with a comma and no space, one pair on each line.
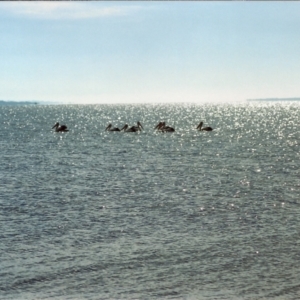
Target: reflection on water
92,214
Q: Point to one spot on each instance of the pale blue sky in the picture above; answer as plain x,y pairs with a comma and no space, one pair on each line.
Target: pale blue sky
117,52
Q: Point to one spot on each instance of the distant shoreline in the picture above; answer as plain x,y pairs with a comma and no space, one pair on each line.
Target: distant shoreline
2,102
276,99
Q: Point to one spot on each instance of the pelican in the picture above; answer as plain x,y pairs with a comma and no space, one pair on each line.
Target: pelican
110,128
61,128
162,127
199,127
126,128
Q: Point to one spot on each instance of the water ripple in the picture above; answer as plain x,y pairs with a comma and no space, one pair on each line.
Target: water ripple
91,214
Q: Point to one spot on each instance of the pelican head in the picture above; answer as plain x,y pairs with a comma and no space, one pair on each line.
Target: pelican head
124,127
161,126
139,125
200,125
108,127
55,125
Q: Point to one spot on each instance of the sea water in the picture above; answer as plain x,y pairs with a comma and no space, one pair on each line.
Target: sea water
92,214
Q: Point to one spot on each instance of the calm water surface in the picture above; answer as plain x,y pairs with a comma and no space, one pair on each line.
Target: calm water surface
91,214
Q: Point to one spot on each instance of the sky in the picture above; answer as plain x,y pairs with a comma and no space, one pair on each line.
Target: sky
149,51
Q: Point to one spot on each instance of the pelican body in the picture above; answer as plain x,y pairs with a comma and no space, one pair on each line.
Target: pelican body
110,128
199,127
60,128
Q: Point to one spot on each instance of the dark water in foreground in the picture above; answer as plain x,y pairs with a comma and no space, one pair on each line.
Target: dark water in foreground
91,214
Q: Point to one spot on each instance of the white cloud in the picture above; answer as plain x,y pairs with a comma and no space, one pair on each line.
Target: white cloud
65,10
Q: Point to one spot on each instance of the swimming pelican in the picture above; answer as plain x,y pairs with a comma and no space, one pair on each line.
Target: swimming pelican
110,128
161,126
61,128
139,127
199,127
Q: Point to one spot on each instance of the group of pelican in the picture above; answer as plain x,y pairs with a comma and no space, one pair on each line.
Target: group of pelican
126,128
161,126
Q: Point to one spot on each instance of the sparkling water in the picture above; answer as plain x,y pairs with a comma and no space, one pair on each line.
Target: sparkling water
93,214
